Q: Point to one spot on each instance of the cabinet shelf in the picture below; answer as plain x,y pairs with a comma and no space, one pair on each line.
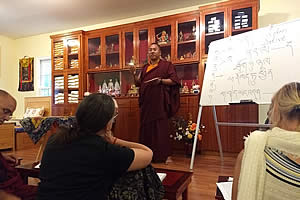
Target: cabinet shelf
58,56
112,52
75,88
216,33
242,29
186,42
94,54
165,45
73,54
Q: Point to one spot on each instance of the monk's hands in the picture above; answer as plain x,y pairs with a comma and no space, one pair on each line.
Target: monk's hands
11,159
132,70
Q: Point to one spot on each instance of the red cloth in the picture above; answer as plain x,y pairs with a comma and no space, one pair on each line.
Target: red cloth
155,103
14,183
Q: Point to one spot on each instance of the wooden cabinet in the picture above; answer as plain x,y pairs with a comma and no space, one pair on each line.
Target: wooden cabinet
7,136
232,138
224,19
104,57
67,69
128,121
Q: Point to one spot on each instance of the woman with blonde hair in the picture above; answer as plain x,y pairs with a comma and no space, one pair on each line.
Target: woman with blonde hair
268,167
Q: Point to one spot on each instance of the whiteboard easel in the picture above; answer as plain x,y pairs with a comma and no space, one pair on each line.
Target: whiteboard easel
217,124
251,65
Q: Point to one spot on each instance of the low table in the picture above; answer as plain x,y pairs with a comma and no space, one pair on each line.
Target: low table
28,170
176,183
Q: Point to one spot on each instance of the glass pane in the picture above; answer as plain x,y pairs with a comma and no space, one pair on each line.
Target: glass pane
163,35
143,46
59,89
128,47
112,50
188,75
73,96
186,51
186,31
94,48
73,46
242,18
214,23
105,82
58,55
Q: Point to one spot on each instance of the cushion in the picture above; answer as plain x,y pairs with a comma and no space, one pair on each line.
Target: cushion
34,112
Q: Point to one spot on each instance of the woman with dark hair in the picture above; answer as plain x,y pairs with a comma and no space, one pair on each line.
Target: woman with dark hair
83,161
269,166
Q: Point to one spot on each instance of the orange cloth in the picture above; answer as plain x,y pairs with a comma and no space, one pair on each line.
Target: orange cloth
151,67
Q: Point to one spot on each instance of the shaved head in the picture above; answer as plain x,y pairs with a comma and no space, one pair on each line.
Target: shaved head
7,106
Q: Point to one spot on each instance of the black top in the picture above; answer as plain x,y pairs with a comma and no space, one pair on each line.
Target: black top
84,169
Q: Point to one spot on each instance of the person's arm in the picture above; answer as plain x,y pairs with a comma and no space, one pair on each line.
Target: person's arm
167,81
136,78
142,154
236,175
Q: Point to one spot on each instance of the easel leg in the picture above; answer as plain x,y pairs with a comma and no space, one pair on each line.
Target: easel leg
218,133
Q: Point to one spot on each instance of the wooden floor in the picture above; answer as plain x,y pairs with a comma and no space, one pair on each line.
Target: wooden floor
206,170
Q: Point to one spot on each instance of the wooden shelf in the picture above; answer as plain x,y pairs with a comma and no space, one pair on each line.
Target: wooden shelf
73,54
242,29
94,54
216,33
186,42
112,52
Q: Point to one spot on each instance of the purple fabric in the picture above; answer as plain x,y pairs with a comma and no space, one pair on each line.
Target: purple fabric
155,103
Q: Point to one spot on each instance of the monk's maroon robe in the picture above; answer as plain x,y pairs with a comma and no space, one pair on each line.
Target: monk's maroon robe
11,182
157,103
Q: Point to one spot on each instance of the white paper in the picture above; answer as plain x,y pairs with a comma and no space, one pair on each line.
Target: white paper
225,188
38,165
162,176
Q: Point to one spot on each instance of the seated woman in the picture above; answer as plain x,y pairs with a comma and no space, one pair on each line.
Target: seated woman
84,161
269,166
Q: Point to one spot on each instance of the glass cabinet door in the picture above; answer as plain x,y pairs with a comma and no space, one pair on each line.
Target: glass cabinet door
143,47
163,37
186,44
58,55
214,28
72,52
241,20
58,89
129,49
73,88
112,50
94,53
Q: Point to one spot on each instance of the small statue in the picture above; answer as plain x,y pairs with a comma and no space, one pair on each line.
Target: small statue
117,87
162,38
185,88
193,33
104,87
180,36
110,85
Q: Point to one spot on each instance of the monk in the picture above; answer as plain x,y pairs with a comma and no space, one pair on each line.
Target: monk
12,186
158,101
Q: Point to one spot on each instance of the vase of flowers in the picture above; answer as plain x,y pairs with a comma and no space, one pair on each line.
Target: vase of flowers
185,131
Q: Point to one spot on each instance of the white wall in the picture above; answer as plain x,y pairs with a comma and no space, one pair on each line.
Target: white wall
271,12
274,12
7,66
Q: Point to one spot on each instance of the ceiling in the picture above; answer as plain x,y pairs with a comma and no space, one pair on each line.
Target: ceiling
22,18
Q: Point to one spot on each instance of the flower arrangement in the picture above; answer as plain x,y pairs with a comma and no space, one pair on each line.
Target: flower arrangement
185,130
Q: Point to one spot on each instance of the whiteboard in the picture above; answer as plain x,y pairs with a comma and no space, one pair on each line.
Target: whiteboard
252,65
